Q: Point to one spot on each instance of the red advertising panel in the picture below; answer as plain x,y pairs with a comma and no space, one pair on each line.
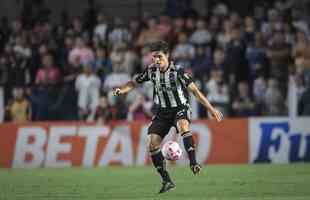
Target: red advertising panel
65,144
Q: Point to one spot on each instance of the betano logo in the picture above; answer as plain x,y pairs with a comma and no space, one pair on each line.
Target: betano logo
65,146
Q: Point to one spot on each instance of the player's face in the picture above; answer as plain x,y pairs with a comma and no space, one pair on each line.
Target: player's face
161,59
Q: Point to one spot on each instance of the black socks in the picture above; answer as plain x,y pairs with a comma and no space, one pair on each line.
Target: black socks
159,163
189,147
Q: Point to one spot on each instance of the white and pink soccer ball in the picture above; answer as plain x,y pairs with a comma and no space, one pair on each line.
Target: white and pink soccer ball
171,151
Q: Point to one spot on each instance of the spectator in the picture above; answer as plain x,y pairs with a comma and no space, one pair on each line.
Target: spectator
190,25
123,59
274,24
4,78
201,63
19,110
183,52
164,27
17,28
249,30
41,101
149,34
296,87
235,19
201,35
59,34
301,53
134,29
304,103
279,53
257,58
217,91
115,79
104,112
64,52
87,85
224,36
120,33
18,66
219,60
259,90
67,101
102,65
237,69
243,105
301,47
214,25
48,74
288,32
21,47
101,29
139,109
81,50
77,29
301,72
71,72
146,57
178,25
273,100
46,92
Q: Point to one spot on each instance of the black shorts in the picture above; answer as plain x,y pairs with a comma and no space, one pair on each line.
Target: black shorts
164,119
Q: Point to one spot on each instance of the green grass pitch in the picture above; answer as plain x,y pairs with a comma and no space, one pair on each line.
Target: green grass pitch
218,182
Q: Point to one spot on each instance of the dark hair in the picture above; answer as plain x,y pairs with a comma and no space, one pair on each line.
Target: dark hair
159,46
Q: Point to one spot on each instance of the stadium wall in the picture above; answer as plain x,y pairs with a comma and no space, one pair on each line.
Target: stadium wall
234,141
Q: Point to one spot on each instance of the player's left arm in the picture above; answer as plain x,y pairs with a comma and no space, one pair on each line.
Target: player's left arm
204,101
187,80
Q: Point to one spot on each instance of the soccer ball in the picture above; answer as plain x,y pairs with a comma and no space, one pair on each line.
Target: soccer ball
171,150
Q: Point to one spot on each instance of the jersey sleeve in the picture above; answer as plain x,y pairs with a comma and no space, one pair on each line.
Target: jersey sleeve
142,77
185,78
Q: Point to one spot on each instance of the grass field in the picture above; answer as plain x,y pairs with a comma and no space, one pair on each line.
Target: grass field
218,182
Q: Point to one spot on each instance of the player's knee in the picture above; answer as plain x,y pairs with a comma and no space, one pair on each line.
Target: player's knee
183,126
153,147
153,143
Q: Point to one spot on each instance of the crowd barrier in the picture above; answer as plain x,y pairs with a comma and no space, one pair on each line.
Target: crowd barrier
233,141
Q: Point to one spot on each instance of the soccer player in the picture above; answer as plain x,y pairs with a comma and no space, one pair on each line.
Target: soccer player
171,99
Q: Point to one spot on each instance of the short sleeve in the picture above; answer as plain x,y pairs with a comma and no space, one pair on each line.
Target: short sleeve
185,78
142,77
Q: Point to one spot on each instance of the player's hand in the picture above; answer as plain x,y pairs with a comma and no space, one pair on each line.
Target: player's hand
117,92
217,115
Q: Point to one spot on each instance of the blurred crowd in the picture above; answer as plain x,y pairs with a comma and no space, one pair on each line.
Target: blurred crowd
253,65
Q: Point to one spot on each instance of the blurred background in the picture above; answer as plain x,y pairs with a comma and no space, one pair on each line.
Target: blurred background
60,59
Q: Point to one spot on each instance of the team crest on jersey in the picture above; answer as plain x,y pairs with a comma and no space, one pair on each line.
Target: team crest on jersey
180,113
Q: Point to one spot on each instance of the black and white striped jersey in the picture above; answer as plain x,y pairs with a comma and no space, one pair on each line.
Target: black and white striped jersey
170,87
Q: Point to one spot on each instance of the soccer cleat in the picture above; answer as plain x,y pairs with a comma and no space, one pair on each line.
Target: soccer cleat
196,168
166,187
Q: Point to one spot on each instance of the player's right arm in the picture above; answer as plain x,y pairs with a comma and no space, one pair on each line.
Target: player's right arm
124,88
138,79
